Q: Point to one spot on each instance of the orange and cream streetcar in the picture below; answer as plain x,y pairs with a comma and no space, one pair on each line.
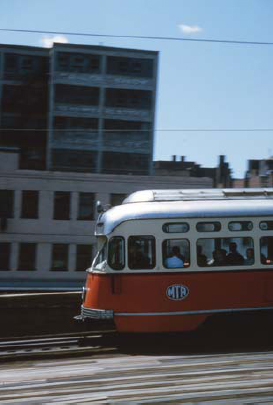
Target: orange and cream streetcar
169,259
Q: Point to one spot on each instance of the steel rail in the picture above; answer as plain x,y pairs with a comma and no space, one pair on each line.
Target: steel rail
15,349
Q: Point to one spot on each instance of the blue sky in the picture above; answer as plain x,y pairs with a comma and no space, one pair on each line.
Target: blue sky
200,85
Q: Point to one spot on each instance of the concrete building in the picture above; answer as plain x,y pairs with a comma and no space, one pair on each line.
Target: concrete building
79,107
259,174
47,220
221,175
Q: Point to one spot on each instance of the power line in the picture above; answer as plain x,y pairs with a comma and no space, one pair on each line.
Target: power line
143,130
163,38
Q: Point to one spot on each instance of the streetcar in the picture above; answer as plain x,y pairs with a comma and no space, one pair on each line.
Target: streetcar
169,259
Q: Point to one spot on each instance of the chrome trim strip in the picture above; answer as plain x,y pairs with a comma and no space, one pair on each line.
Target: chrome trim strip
96,313
196,312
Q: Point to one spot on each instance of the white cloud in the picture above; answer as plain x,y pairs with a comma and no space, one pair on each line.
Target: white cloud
189,29
47,42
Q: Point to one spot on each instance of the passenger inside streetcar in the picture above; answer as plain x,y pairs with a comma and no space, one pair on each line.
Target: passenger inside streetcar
249,256
234,257
219,257
176,260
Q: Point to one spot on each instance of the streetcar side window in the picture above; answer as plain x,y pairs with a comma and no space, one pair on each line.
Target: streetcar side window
266,225
208,227
225,252
175,227
116,253
240,226
141,252
266,250
176,253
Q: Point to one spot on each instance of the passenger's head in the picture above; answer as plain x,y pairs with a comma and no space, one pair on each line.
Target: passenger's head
250,253
217,255
233,247
176,250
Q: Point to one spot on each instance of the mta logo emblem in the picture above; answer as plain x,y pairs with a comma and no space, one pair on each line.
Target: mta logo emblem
177,292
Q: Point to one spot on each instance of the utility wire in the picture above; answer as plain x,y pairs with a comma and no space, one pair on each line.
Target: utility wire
89,34
143,130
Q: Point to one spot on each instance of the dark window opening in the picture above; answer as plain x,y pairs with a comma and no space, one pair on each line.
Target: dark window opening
30,204
84,257
5,254
6,203
125,163
78,63
61,205
137,99
116,199
141,252
116,253
118,65
86,206
27,256
266,250
60,257
69,94
80,161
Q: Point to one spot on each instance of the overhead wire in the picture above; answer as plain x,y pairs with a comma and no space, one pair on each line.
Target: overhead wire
151,37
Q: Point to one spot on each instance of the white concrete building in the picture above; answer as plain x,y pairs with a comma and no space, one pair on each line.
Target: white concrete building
48,218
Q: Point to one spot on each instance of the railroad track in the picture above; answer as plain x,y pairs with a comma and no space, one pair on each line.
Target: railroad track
56,345
197,378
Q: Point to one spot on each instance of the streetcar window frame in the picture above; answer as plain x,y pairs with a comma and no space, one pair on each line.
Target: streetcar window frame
122,253
129,255
229,240
266,225
167,228
163,250
216,225
264,259
246,226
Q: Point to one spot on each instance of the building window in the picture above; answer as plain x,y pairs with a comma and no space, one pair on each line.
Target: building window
69,94
27,256
60,257
116,199
30,204
118,65
79,161
84,257
137,99
5,249
86,206
62,205
6,203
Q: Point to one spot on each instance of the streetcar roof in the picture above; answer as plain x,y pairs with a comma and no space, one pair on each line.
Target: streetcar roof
219,205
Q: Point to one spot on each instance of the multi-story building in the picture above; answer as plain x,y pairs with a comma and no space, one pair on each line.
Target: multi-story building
47,220
79,107
259,174
220,175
